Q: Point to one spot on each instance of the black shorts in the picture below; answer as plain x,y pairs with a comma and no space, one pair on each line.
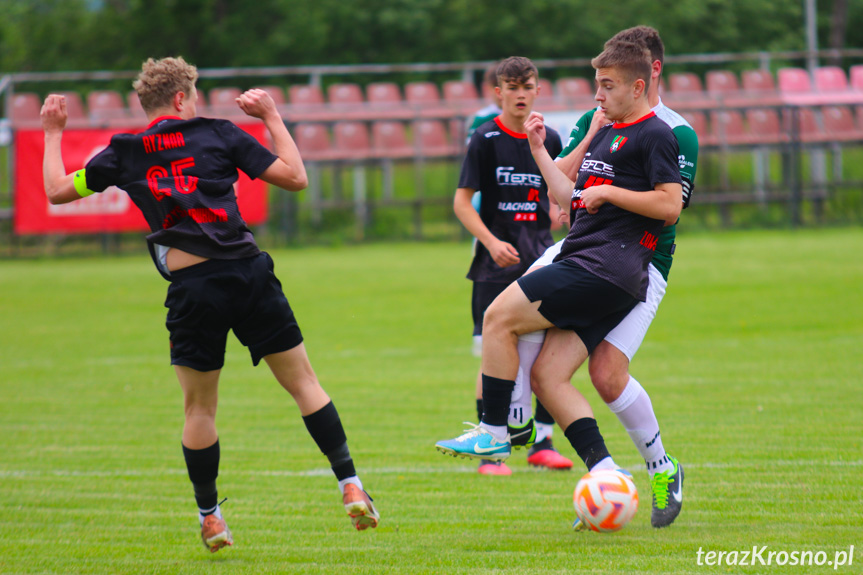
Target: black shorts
573,298
483,294
207,300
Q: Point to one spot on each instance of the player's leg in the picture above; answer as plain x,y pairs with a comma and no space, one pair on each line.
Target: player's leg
510,315
624,395
294,372
201,451
562,354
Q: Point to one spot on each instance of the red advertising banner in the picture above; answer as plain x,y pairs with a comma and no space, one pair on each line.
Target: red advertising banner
110,211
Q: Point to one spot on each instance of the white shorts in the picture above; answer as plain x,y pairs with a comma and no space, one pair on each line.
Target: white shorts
629,333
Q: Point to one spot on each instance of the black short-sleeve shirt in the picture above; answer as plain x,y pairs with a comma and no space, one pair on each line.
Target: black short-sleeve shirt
181,175
615,244
514,203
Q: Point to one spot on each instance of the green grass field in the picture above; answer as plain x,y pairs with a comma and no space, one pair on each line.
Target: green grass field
753,364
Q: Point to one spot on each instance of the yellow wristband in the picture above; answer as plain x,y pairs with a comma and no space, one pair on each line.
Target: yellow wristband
80,181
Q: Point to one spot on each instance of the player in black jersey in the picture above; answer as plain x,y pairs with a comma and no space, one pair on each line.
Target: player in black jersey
628,188
180,173
512,227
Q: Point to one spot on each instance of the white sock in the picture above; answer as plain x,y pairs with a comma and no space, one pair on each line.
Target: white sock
635,411
605,463
520,409
500,432
202,513
543,431
352,479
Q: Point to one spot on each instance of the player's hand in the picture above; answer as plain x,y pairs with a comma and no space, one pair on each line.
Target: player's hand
598,121
593,197
534,126
53,113
257,103
503,253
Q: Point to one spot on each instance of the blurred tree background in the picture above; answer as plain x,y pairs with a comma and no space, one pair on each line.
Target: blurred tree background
63,35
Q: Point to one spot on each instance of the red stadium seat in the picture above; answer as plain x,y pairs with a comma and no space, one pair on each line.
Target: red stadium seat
546,89
830,79
422,93
793,80
223,102
685,83
351,141
728,128
722,82
839,123
26,107
305,95
758,81
764,126
569,89
698,121
135,109
458,91
389,140
383,93
349,95
313,141
430,139
106,106
855,74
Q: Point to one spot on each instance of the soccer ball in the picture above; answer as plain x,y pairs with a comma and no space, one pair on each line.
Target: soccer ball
605,500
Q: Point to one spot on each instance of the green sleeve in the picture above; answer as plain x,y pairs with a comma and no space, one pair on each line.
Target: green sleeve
579,131
687,141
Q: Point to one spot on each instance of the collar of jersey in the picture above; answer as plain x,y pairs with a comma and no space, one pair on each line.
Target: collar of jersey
508,131
617,126
160,118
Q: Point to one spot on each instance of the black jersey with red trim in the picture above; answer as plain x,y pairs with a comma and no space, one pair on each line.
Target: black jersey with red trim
615,244
514,204
181,175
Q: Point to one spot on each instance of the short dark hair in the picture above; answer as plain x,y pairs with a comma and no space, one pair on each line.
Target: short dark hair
516,69
630,58
645,35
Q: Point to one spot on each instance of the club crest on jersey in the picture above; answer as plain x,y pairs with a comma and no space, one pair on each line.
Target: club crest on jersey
617,143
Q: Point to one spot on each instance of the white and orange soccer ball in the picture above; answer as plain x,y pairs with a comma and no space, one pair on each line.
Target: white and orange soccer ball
605,500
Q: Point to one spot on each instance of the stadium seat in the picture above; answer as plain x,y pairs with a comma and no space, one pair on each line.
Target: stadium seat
574,89
313,142
793,81
305,95
855,76
75,110
223,102
345,95
351,141
26,107
685,83
106,106
698,121
546,90
839,123
758,81
430,139
830,79
728,128
722,82
389,140
420,93
764,126
383,93
807,124
458,91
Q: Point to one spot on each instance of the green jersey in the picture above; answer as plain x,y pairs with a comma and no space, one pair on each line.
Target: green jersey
687,141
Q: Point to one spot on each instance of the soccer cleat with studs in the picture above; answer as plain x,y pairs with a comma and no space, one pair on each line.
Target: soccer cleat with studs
476,443
489,467
215,533
360,508
667,490
543,454
523,436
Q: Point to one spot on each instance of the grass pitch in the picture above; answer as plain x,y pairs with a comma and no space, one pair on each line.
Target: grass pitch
753,365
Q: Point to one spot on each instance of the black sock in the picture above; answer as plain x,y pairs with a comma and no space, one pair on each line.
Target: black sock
479,409
326,429
496,397
541,415
203,467
585,438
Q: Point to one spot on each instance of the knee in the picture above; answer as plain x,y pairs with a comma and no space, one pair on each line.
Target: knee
608,378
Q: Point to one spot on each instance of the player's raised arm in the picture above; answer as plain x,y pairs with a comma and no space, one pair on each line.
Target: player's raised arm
288,172
59,186
559,185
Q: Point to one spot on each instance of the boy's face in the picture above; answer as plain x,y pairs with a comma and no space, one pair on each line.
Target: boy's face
615,94
516,98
